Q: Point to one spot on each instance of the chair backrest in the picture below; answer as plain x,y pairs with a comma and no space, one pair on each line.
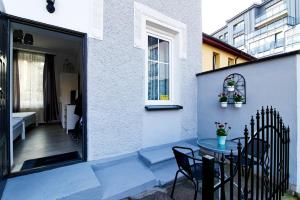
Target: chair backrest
257,142
183,160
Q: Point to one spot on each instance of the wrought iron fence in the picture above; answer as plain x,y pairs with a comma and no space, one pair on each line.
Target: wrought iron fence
260,169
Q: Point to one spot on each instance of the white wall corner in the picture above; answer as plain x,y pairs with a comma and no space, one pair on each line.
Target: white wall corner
298,124
96,19
2,7
144,14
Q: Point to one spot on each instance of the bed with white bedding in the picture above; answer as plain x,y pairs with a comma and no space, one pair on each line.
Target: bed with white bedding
29,118
18,128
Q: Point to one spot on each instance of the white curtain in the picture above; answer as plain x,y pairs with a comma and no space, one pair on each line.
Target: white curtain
31,67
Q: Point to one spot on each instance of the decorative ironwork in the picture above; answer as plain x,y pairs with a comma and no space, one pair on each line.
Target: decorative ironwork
239,87
262,159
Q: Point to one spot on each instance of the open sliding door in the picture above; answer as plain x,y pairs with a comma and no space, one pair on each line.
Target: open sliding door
4,101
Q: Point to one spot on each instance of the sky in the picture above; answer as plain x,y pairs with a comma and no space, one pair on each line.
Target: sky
216,12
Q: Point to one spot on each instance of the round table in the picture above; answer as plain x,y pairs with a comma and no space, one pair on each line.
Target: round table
211,144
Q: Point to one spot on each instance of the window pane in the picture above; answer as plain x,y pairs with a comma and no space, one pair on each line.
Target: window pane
31,67
152,48
164,82
153,81
163,51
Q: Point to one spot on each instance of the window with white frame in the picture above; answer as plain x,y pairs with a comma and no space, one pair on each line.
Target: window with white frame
158,69
164,41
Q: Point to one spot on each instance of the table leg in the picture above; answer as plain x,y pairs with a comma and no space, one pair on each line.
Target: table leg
23,130
36,120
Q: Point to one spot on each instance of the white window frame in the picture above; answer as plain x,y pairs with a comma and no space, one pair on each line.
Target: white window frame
164,36
144,14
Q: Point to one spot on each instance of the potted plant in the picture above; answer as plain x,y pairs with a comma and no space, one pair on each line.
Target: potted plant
222,132
223,100
230,85
238,100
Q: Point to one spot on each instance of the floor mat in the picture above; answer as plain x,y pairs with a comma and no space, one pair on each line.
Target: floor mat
50,160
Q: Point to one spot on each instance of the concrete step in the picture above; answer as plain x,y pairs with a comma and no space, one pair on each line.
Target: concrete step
52,184
127,177
154,156
161,160
166,173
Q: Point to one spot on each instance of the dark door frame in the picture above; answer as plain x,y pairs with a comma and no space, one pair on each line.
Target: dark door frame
4,58
83,36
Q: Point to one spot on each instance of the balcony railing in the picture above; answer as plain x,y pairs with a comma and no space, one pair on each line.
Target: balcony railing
267,46
291,21
294,38
272,12
239,31
239,44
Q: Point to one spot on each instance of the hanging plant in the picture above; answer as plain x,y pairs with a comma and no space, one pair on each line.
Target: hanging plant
230,85
223,100
238,100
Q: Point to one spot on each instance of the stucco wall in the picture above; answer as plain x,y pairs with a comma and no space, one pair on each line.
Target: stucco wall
117,120
270,82
2,8
81,15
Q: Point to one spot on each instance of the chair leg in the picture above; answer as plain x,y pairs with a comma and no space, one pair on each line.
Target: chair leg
174,184
196,190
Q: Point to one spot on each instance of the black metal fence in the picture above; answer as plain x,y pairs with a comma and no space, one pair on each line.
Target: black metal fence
260,167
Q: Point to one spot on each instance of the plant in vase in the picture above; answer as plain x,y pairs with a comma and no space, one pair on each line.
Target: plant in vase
223,100
238,100
230,85
222,132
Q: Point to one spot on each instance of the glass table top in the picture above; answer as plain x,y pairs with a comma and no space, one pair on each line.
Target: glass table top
211,144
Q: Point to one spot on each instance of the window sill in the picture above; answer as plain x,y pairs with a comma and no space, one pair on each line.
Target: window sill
162,107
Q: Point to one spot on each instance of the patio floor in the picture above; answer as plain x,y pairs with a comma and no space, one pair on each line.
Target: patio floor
150,170
115,178
184,190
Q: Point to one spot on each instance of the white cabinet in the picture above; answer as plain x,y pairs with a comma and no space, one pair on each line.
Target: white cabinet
70,117
67,83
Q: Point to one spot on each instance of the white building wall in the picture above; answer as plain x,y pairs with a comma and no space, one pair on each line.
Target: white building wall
2,8
298,126
77,15
117,122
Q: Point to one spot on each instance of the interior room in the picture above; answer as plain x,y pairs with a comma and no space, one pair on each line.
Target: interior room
46,93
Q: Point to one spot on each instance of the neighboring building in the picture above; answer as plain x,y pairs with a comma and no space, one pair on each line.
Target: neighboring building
265,29
217,54
135,63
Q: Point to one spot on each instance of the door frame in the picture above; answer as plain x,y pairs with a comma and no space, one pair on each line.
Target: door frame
6,165
83,36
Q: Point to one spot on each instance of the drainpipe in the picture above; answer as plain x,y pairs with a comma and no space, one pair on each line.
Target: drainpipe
235,60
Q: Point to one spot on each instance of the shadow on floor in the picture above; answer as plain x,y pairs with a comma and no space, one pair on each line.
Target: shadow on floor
184,191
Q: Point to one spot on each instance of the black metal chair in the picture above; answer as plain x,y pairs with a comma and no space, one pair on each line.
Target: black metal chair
258,156
189,166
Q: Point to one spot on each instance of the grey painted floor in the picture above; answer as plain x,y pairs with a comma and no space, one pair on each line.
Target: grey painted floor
184,191
44,140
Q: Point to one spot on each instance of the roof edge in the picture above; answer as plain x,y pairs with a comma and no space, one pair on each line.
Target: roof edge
297,52
210,40
223,27
240,13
